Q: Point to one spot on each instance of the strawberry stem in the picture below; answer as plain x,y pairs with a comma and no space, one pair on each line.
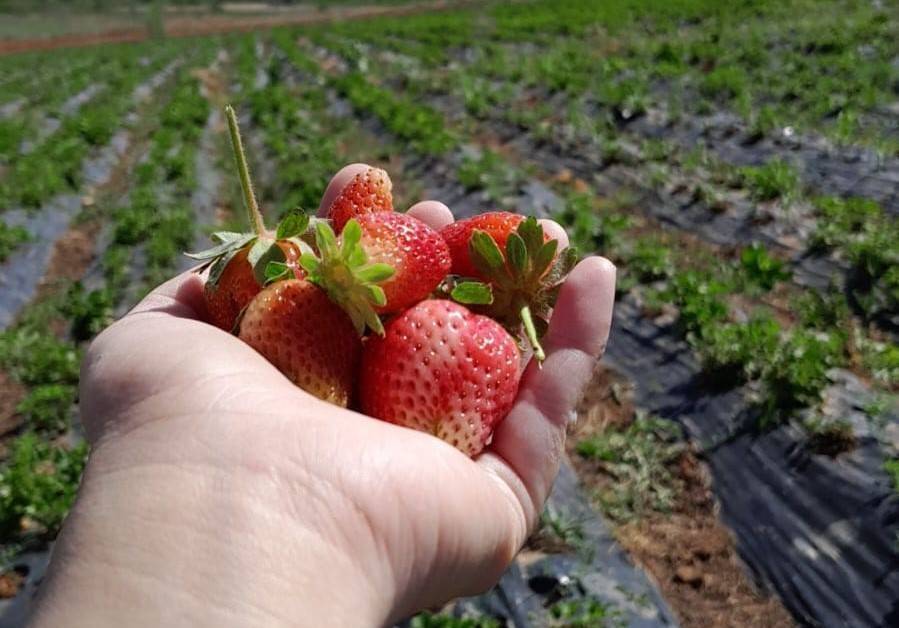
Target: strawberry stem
531,332
243,172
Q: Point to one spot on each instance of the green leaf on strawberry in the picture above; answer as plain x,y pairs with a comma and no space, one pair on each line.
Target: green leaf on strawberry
228,241
276,271
342,270
525,278
294,225
263,246
472,293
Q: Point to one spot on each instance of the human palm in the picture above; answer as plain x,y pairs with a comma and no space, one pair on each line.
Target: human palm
268,505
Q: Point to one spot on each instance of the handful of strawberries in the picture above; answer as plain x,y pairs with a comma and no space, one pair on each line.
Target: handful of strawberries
375,310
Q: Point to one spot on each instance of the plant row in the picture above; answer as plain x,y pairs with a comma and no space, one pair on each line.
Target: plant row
40,474
54,166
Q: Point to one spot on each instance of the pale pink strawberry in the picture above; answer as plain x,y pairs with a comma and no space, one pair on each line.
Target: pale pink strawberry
368,192
307,337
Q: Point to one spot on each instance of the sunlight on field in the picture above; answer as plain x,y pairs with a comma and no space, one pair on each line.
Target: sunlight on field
738,162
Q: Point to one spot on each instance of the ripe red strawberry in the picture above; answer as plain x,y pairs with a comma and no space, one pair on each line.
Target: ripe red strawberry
417,253
237,285
518,262
306,336
239,260
497,225
443,370
369,192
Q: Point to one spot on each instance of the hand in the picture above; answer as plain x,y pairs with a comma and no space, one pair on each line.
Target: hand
217,493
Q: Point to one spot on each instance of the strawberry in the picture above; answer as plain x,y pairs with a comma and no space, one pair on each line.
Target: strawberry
341,268
417,253
443,370
233,289
497,225
519,264
369,192
306,336
238,262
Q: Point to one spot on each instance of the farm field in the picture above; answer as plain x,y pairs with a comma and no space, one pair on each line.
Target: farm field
735,461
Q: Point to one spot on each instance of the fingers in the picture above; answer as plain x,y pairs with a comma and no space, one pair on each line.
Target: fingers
181,296
555,232
338,182
433,213
528,445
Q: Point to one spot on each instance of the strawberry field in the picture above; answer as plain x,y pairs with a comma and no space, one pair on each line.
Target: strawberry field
735,460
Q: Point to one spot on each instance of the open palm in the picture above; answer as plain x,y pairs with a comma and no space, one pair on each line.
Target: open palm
207,460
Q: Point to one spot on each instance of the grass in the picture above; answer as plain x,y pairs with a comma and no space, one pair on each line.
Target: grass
643,260
859,231
42,349
588,70
88,312
48,407
590,228
10,239
562,528
488,172
892,469
38,484
440,620
586,612
637,460
36,358
760,270
773,180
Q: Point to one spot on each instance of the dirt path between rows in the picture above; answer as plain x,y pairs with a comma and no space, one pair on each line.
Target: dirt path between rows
192,27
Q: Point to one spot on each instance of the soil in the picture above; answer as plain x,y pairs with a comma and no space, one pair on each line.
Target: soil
688,551
192,26
541,543
10,582
11,394
72,255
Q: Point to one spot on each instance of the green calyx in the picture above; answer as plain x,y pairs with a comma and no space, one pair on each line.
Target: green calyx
263,246
342,270
523,281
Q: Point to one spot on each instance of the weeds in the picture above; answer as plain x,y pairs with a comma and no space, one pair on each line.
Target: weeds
637,459
733,353
488,172
35,358
38,485
760,270
430,620
862,233
725,83
589,228
88,312
773,180
10,239
892,469
587,612
796,372
48,407
562,528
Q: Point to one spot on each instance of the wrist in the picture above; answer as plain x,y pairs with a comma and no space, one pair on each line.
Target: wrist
154,541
